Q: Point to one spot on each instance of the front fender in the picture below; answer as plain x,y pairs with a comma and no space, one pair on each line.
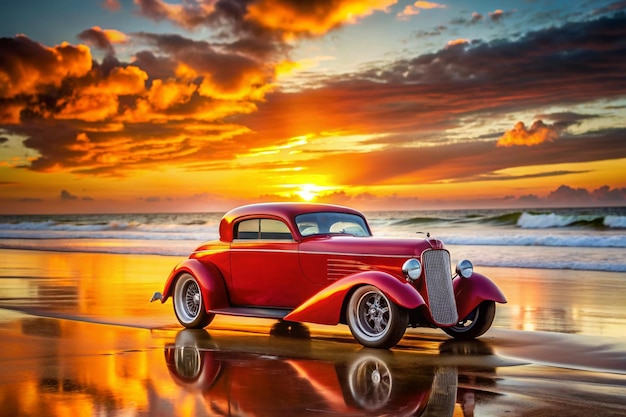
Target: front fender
326,306
470,292
209,278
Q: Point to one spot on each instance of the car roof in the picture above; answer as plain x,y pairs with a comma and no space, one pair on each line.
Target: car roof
284,210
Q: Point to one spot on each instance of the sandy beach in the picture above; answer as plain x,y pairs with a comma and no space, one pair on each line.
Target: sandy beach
79,337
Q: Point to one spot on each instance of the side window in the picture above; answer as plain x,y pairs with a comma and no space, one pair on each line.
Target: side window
248,229
268,229
274,229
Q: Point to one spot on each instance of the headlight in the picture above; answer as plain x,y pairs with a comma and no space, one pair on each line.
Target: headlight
465,268
412,269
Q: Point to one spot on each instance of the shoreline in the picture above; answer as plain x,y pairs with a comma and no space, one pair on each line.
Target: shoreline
78,334
553,300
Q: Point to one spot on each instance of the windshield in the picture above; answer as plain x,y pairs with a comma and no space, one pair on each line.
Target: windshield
331,223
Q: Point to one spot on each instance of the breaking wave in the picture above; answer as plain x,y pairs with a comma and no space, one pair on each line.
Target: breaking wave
587,239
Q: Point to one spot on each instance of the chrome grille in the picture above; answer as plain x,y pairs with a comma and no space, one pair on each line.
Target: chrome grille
439,286
442,398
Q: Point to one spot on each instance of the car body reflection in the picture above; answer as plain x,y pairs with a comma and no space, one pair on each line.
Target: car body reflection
365,382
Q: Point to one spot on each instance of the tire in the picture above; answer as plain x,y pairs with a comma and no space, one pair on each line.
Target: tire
374,320
370,382
188,303
477,322
193,356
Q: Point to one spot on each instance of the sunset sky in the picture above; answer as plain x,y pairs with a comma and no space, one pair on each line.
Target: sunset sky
201,105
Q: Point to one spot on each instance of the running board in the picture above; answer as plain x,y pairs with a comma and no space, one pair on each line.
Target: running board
263,313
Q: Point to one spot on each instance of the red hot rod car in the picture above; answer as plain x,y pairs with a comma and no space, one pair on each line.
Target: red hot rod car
319,263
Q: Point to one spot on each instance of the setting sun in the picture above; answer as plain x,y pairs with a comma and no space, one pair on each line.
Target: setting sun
309,192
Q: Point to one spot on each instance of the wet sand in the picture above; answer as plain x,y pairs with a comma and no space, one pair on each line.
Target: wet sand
78,337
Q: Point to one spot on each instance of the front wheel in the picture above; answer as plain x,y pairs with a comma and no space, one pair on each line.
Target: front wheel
374,320
477,322
188,305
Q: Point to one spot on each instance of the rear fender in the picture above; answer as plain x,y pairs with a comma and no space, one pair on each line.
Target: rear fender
470,292
210,279
326,306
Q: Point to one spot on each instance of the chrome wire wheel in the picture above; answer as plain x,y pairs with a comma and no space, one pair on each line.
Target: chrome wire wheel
188,362
374,320
370,382
372,314
188,304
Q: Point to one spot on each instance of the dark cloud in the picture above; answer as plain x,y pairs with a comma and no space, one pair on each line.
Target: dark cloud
157,67
156,199
226,71
500,177
431,33
67,196
476,17
98,38
563,120
606,194
563,196
495,16
612,7
53,144
30,200
567,194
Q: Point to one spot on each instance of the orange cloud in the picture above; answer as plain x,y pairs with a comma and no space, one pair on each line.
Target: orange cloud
496,15
10,112
88,107
169,93
99,101
112,35
413,10
188,15
538,133
103,39
112,5
408,12
286,18
29,68
429,5
122,81
310,18
455,42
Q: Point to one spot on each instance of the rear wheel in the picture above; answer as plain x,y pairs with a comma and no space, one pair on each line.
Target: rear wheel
477,322
188,304
374,320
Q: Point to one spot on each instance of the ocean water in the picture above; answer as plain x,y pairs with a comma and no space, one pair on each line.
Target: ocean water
592,239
